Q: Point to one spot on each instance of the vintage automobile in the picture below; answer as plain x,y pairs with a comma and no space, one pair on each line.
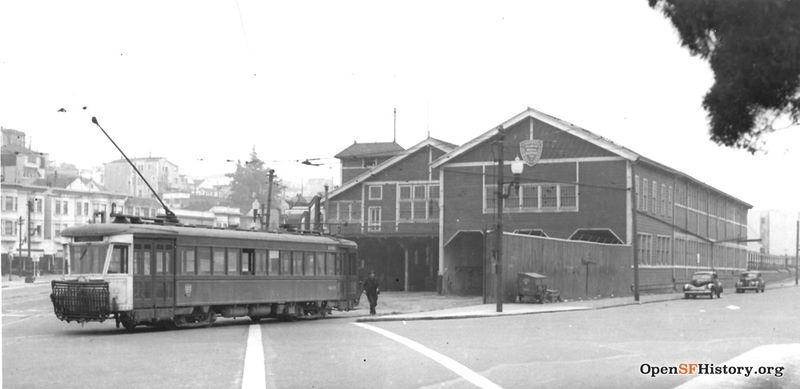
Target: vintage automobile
531,286
750,280
703,283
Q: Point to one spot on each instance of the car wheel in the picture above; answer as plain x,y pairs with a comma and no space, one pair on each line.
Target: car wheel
686,295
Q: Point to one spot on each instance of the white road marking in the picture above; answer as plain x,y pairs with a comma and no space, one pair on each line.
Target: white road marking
254,375
733,307
463,371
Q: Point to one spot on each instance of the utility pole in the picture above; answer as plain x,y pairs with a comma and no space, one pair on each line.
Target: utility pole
269,195
499,226
29,203
796,251
634,235
21,261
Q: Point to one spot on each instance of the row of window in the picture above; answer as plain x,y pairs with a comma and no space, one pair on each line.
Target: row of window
654,252
9,228
650,197
418,203
700,200
534,198
657,252
156,258
344,211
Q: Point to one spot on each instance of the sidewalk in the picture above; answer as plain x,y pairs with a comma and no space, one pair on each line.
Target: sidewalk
387,305
19,282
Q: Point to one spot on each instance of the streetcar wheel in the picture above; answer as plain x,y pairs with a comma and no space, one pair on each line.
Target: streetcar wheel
128,323
211,317
255,319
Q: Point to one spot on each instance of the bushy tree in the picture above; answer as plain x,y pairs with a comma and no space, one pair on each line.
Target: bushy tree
753,47
249,182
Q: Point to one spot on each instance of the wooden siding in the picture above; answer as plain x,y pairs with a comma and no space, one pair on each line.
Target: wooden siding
557,144
560,261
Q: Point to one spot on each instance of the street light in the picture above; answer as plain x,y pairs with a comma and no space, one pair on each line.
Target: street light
516,169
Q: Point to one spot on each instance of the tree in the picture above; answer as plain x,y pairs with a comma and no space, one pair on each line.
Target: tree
753,47
250,182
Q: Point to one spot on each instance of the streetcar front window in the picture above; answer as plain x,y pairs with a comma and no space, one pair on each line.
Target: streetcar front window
119,260
87,258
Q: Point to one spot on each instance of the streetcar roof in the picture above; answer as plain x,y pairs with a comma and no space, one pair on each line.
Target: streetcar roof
106,229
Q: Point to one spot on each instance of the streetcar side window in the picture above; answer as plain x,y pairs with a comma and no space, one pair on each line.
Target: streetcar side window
187,260
218,267
309,263
159,259
274,262
319,263
253,261
119,260
286,262
352,267
146,258
297,263
339,266
168,262
330,264
204,260
233,261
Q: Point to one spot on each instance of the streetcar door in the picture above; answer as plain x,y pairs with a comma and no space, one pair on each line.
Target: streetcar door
163,274
153,278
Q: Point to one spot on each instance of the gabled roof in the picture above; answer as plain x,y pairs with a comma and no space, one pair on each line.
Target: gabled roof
551,120
577,131
374,149
433,142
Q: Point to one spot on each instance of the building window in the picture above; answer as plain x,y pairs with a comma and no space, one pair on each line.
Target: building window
638,193
433,202
8,228
645,249
669,201
654,202
374,219
663,249
535,198
375,192
10,203
645,197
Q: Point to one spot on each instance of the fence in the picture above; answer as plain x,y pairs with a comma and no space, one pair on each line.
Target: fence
565,263
760,261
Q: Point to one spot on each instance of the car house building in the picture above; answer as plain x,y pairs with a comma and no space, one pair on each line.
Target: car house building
392,211
581,190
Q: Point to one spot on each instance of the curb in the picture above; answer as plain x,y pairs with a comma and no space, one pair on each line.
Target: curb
469,316
482,315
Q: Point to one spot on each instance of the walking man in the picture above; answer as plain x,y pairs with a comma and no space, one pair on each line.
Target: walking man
372,290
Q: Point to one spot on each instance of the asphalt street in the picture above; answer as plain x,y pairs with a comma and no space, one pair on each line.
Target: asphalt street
594,348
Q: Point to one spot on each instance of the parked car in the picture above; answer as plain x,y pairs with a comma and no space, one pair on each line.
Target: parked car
750,280
703,283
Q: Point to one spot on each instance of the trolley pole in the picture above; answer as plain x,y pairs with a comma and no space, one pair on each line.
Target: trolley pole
269,196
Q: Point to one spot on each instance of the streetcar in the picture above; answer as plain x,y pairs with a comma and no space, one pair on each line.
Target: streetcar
147,272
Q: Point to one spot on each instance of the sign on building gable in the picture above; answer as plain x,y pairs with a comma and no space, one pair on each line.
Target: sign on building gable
531,151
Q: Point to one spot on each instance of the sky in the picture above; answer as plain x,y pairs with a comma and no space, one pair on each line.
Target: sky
204,82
